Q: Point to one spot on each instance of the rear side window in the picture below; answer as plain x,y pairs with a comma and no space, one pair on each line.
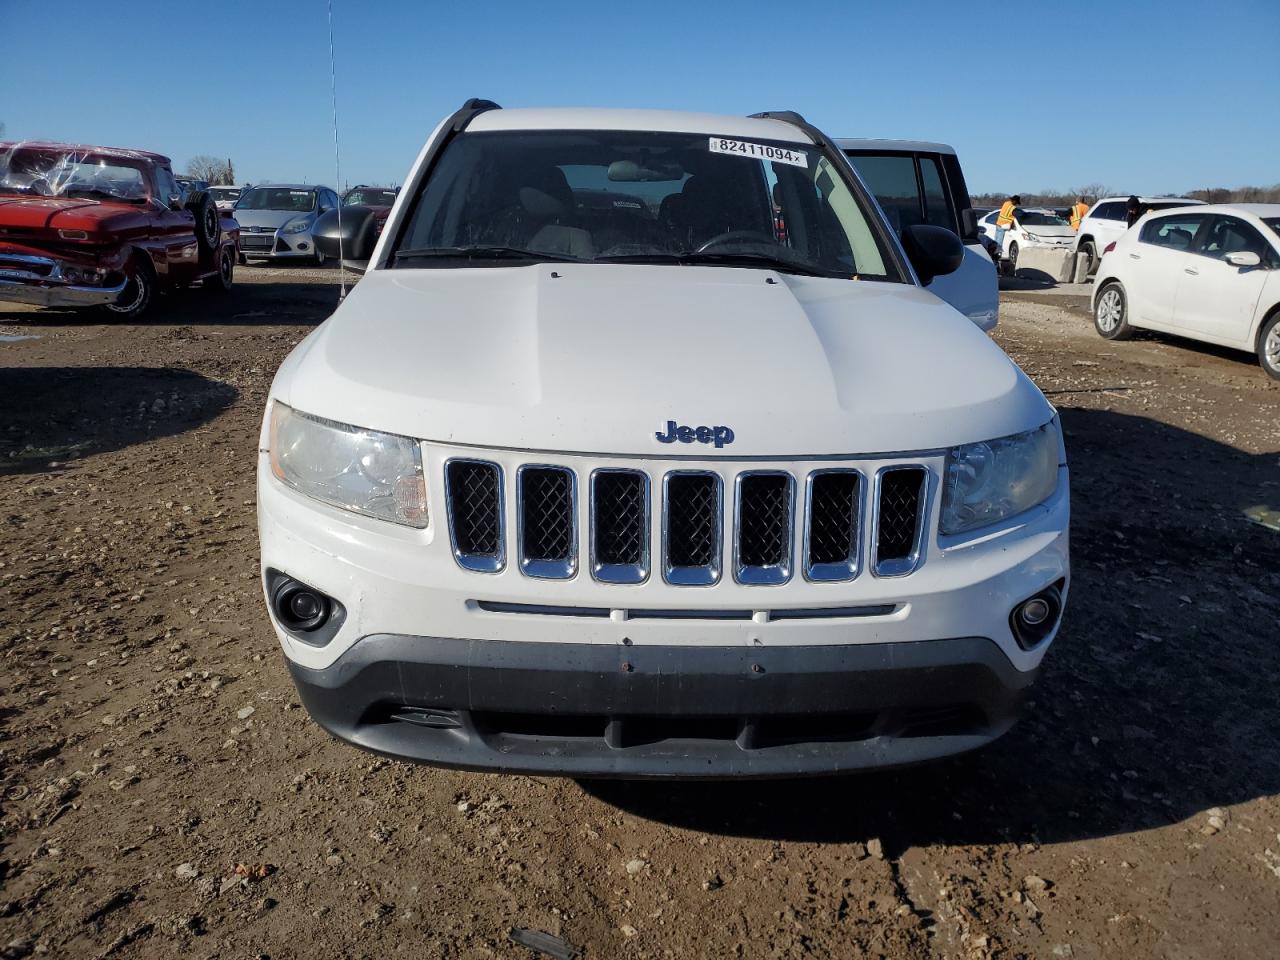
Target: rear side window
1111,210
1175,233
893,181
937,209
910,187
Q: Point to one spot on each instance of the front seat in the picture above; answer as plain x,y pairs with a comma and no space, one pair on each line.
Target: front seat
711,205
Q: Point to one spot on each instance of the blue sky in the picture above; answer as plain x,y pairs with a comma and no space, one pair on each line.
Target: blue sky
1143,96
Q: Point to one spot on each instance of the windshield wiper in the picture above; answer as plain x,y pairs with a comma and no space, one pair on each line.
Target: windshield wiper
716,258
480,253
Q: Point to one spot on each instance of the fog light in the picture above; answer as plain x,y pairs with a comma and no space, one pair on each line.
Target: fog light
1036,617
1034,612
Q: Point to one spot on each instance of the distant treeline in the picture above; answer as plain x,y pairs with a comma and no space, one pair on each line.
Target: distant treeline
1060,198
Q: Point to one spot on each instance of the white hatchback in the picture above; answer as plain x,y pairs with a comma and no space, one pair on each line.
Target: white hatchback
1210,273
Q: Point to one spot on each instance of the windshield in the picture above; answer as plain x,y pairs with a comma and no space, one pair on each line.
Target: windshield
277,198
622,196
71,173
1039,218
1273,223
370,197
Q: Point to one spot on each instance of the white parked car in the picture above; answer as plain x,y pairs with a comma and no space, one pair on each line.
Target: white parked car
1106,222
920,182
1210,273
642,450
225,197
1032,227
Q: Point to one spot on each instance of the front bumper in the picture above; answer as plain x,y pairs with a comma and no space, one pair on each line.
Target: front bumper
587,710
44,293
281,246
532,674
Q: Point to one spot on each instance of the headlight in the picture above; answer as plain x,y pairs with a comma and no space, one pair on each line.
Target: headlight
989,481
296,226
377,474
1033,237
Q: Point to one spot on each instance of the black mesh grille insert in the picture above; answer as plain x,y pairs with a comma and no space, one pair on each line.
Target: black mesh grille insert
764,519
833,518
900,492
476,505
546,496
619,502
693,513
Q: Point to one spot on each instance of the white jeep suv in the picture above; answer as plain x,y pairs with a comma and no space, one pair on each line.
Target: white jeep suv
640,450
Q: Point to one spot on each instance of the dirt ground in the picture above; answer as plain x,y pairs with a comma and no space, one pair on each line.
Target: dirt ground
162,793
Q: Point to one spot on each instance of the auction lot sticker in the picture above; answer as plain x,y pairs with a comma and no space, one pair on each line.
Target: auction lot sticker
761,151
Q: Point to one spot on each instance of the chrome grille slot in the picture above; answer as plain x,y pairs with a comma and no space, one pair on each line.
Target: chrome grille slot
763,523
833,525
546,510
900,506
473,489
619,526
691,528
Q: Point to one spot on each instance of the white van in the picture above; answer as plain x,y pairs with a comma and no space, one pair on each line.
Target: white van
916,181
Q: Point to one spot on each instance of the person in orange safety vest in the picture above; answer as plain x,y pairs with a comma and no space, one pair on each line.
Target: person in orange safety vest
1004,219
1078,212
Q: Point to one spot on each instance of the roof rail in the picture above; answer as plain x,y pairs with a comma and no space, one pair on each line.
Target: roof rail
469,111
786,116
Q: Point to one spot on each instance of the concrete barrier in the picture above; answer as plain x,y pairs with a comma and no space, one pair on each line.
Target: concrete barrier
1048,264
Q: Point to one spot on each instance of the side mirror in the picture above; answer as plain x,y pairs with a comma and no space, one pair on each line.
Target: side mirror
175,202
933,251
1243,258
357,238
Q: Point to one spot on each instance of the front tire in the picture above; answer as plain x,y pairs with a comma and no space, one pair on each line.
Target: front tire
1269,346
1091,253
138,290
1111,313
1013,259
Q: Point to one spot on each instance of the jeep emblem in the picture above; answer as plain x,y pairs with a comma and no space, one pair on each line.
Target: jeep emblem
720,436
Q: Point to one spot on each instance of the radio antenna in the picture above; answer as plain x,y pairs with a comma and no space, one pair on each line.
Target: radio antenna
337,162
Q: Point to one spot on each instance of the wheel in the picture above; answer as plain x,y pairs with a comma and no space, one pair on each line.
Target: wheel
221,281
1111,313
1269,345
1091,252
1013,259
138,290
208,222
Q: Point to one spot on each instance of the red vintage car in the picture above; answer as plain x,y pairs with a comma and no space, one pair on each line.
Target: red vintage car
85,226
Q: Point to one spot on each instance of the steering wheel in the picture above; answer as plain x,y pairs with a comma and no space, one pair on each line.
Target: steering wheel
736,235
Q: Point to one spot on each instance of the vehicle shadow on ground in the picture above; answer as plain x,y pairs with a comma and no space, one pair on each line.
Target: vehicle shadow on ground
53,415
1156,703
267,303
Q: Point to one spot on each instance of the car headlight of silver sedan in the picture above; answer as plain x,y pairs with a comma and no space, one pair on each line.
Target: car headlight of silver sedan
376,474
990,481
301,225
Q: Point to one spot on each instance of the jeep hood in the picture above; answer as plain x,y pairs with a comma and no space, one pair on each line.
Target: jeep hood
597,358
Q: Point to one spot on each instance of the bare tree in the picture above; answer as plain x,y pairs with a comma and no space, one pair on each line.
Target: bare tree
205,167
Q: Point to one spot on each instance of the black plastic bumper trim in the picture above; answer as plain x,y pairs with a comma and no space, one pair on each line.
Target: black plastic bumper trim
362,699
